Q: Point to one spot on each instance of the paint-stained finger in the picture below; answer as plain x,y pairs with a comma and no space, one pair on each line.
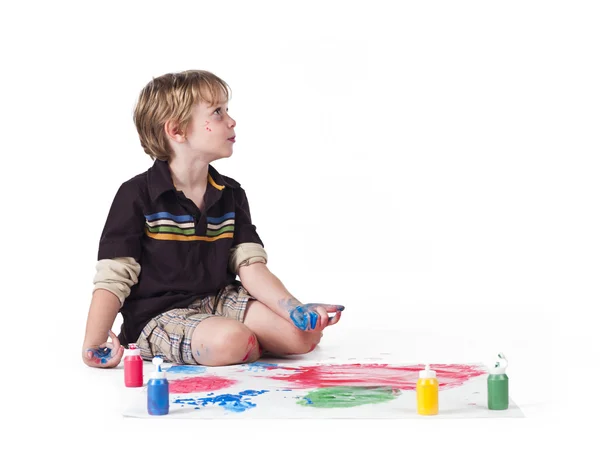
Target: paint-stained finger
115,359
323,317
335,319
332,308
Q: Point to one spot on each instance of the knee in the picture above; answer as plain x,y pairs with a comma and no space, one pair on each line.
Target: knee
302,342
241,344
231,345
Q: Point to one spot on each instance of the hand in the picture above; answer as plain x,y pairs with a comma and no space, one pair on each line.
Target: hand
106,355
315,315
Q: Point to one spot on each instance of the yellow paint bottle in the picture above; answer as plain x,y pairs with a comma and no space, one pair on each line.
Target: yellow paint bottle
427,392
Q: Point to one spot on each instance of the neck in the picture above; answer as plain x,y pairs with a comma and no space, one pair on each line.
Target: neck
188,174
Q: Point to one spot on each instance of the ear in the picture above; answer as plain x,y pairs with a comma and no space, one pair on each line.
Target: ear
173,131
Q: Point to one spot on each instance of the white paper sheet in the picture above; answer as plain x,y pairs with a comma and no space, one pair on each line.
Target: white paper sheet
273,389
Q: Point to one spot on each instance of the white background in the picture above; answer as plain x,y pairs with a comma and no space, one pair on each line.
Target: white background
430,165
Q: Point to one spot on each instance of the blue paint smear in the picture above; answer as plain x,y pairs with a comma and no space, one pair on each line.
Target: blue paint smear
187,369
259,367
301,317
231,402
103,354
252,392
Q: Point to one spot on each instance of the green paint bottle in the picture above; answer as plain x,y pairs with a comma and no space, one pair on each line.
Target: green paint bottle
498,385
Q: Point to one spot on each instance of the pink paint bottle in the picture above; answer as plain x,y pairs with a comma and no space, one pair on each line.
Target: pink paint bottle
134,367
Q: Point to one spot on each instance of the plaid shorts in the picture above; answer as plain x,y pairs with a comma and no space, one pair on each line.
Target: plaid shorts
170,334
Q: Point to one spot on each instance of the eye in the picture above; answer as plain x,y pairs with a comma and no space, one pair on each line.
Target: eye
218,111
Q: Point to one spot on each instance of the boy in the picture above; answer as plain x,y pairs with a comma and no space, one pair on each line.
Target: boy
174,240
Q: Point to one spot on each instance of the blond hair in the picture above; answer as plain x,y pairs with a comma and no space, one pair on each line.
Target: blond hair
171,97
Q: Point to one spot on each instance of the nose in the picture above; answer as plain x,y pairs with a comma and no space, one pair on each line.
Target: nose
230,121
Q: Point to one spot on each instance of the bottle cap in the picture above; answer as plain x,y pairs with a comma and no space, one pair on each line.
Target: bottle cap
427,373
158,373
500,366
133,350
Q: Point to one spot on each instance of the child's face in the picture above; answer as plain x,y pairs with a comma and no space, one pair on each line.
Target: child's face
210,131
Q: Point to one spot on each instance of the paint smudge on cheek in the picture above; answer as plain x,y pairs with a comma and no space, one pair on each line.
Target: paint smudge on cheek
231,402
199,384
375,375
348,396
206,125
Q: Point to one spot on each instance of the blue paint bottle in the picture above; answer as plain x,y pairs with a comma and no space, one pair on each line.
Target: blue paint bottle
158,390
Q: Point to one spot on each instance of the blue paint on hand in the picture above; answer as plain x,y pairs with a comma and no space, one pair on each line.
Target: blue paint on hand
305,317
103,354
299,316
302,316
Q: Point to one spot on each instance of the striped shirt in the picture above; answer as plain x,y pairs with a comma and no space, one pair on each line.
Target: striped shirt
183,251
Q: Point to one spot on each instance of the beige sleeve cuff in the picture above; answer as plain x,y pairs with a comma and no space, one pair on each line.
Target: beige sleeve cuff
246,254
117,275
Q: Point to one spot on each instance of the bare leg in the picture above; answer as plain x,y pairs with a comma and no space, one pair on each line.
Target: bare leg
275,334
218,341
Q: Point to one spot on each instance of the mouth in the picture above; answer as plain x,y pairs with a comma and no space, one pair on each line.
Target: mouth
232,139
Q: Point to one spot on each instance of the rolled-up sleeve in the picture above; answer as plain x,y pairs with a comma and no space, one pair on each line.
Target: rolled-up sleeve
117,276
246,254
247,248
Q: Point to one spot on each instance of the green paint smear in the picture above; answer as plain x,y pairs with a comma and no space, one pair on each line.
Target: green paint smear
348,396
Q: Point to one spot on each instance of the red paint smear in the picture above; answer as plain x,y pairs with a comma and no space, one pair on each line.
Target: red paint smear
403,377
251,344
207,383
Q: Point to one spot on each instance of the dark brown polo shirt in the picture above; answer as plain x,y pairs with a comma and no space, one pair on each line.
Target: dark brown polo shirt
183,253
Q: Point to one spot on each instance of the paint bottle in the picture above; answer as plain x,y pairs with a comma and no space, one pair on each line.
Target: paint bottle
427,392
498,385
158,390
134,367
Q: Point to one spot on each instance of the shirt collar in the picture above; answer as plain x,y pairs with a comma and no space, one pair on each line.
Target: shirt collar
160,181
